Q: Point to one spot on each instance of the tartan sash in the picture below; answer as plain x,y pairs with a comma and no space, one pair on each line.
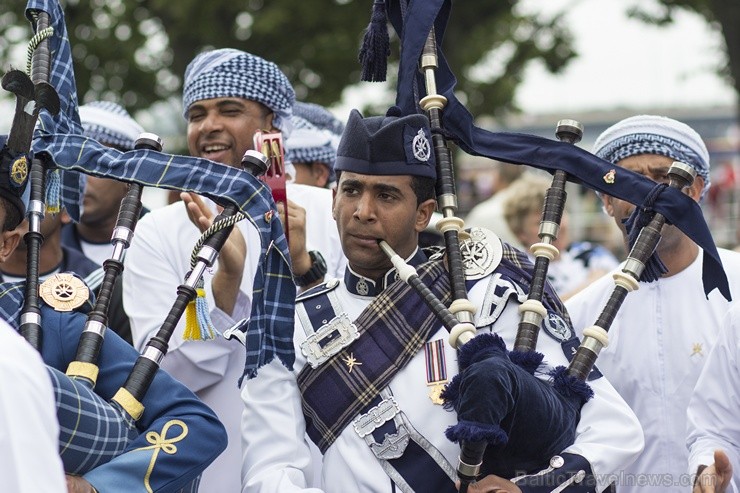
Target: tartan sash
390,335
392,330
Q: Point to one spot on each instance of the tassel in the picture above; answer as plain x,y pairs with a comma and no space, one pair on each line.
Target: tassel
198,324
529,361
472,431
376,46
53,189
569,386
451,394
480,347
640,217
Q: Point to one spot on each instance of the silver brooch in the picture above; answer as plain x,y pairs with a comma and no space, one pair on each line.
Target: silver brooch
481,253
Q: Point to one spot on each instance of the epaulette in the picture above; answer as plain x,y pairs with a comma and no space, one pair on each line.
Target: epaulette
66,292
322,288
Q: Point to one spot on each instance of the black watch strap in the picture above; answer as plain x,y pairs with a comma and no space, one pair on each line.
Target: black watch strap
315,273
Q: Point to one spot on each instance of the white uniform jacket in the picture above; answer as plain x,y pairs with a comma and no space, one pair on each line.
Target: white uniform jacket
278,457
29,432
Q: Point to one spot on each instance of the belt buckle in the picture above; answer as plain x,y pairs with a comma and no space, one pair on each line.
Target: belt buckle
393,446
376,416
330,339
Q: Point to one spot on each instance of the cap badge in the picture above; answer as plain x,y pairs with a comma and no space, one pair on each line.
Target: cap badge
610,176
19,170
421,147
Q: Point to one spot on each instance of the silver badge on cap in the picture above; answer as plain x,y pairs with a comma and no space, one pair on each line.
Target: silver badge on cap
421,147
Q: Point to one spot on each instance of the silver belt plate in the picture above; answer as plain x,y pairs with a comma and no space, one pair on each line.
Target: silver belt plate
375,417
330,339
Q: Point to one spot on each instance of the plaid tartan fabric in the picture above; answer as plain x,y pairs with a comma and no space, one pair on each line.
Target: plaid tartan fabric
91,430
517,265
11,302
390,335
270,329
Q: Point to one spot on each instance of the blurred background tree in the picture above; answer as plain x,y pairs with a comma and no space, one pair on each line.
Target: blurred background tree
135,51
723,15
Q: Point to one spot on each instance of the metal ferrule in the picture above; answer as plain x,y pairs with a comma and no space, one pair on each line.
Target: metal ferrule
95,327
634,267
30,318
429,82
36,207
122,233
464,317
592,344
118,250
447,201
428,61
208,254
195,274
467,469
532,317
549,231
153,354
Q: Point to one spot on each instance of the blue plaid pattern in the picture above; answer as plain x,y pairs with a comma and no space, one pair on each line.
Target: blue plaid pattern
232,73
270,329
91,431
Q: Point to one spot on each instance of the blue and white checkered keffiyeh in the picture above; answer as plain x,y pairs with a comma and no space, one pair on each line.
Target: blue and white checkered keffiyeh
60,139
318,116
228,73
309,144
110,124
651,134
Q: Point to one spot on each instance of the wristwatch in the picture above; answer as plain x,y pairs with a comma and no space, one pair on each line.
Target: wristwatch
316,272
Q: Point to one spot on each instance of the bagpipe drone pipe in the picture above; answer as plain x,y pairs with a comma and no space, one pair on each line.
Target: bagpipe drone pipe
426,84
62,156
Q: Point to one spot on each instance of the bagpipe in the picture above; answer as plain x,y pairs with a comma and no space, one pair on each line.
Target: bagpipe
103,429
426,84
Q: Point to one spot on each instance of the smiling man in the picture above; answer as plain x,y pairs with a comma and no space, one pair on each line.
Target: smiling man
227,96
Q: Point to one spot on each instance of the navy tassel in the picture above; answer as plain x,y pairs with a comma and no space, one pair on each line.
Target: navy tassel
470,431
569,386
376,46
640,217
528,361
451,394
479,348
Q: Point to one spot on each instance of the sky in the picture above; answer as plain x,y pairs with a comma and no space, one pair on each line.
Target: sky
626,63
622,63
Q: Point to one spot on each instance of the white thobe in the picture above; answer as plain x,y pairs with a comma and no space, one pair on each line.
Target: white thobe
29,432
713,409
157,262
657,346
